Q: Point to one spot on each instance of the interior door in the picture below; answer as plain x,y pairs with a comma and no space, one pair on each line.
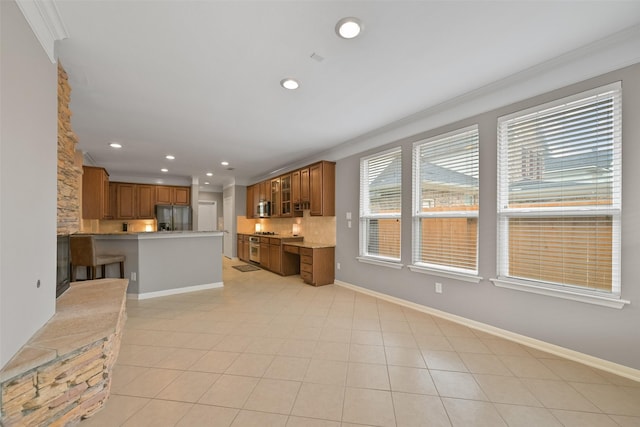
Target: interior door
227,212
207,216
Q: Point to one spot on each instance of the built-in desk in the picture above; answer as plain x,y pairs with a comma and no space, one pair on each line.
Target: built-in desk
317,261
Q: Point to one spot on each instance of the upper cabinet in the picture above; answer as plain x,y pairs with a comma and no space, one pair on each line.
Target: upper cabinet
310,188
146,201
322,185
95,193
170,195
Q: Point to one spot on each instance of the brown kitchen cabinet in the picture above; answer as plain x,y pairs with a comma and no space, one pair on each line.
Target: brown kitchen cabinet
275,197
322,185
251,204
265,253
146,196
172,195
285,196
95,193
243,247
316,265
125,201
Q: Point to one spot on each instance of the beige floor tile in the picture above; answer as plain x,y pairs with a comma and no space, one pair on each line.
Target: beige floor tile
501,389
484,364
466,413
297,348
259,419
366,324
234,343
116,411
150,382
158,413
468,345
401,356
366,337
123,375
288,368
306,333
364,375
214,361
558,395
572,371
365,406
332,351
181,358
444,361
339,320
141,337
457,385
527,416
361,353
583,419
414,410
210,416
188,387
326,372
142,355
504,347
319,401
451,329
390,325
310,422
229,391
433,343
250,365
265,345
625,421
528,367
276,396
411,380
335,334
192,340
612,399
399,339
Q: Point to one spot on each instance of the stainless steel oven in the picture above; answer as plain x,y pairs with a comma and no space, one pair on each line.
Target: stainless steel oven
254,249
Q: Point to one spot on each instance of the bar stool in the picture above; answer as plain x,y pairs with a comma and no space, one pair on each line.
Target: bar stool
83,254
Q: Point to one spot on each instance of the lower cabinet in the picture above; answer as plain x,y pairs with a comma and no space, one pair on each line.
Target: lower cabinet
265,253
243,247
316,265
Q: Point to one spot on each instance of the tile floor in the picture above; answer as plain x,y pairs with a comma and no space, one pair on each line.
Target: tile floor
271,351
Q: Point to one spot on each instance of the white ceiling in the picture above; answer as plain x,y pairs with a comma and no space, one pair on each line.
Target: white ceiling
200,79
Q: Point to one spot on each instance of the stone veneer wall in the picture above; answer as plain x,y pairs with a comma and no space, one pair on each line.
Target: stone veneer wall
69,168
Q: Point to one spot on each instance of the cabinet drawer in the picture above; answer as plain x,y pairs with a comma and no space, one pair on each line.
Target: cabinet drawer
306,259
308,268
306,276
306,251
292,249
264,240
274,241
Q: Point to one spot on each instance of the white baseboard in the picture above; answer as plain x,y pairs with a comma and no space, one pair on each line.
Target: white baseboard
175,291
594,362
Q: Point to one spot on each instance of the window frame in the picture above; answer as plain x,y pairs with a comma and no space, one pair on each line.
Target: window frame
504,213
366,217
470,275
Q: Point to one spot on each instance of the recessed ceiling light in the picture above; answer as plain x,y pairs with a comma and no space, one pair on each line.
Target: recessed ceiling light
348,28
209,173
164,170
115,145
224,163
206,183
289,83
169,157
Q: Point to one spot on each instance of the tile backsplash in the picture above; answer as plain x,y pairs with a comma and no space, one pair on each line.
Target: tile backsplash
316,229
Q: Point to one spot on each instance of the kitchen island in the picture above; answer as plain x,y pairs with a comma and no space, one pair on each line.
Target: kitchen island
167,262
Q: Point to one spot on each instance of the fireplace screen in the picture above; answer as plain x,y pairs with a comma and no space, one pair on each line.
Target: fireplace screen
63,266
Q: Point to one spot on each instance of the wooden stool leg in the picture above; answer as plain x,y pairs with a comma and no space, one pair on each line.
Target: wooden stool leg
122,269
104,274
89,275
73,273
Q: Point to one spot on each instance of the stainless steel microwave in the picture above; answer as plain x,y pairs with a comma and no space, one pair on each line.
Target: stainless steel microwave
264,209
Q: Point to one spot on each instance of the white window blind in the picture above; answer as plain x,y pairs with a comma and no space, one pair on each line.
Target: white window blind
559,192
445,201
380,205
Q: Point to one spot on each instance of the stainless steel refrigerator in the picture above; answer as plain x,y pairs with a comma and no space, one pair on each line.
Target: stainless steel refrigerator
173,217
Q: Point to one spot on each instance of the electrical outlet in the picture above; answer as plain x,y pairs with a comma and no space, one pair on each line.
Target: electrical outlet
438,288
133,276
338,266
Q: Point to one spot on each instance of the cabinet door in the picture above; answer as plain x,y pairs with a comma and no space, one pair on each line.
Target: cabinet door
94,182
250,209
304,186
315,186
275,257
163,195
181,196
107,213
265,191
239,246
264,256
126,194
146,201
275,197
285,196
322,186
295,188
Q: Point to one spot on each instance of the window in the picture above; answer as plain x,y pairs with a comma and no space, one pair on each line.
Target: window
380,201
559,194
445,200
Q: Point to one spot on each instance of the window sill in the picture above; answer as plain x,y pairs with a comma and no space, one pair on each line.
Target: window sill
569,294
466,277
380,262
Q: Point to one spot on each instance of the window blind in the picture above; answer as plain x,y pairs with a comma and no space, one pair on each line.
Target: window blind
380,205
559,192
445,200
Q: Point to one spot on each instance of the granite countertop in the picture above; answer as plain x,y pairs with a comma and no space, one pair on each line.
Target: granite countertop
311,245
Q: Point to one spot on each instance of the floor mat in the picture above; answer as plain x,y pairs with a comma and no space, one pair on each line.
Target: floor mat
245,268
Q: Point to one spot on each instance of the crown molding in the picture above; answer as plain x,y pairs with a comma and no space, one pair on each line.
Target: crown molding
44,19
